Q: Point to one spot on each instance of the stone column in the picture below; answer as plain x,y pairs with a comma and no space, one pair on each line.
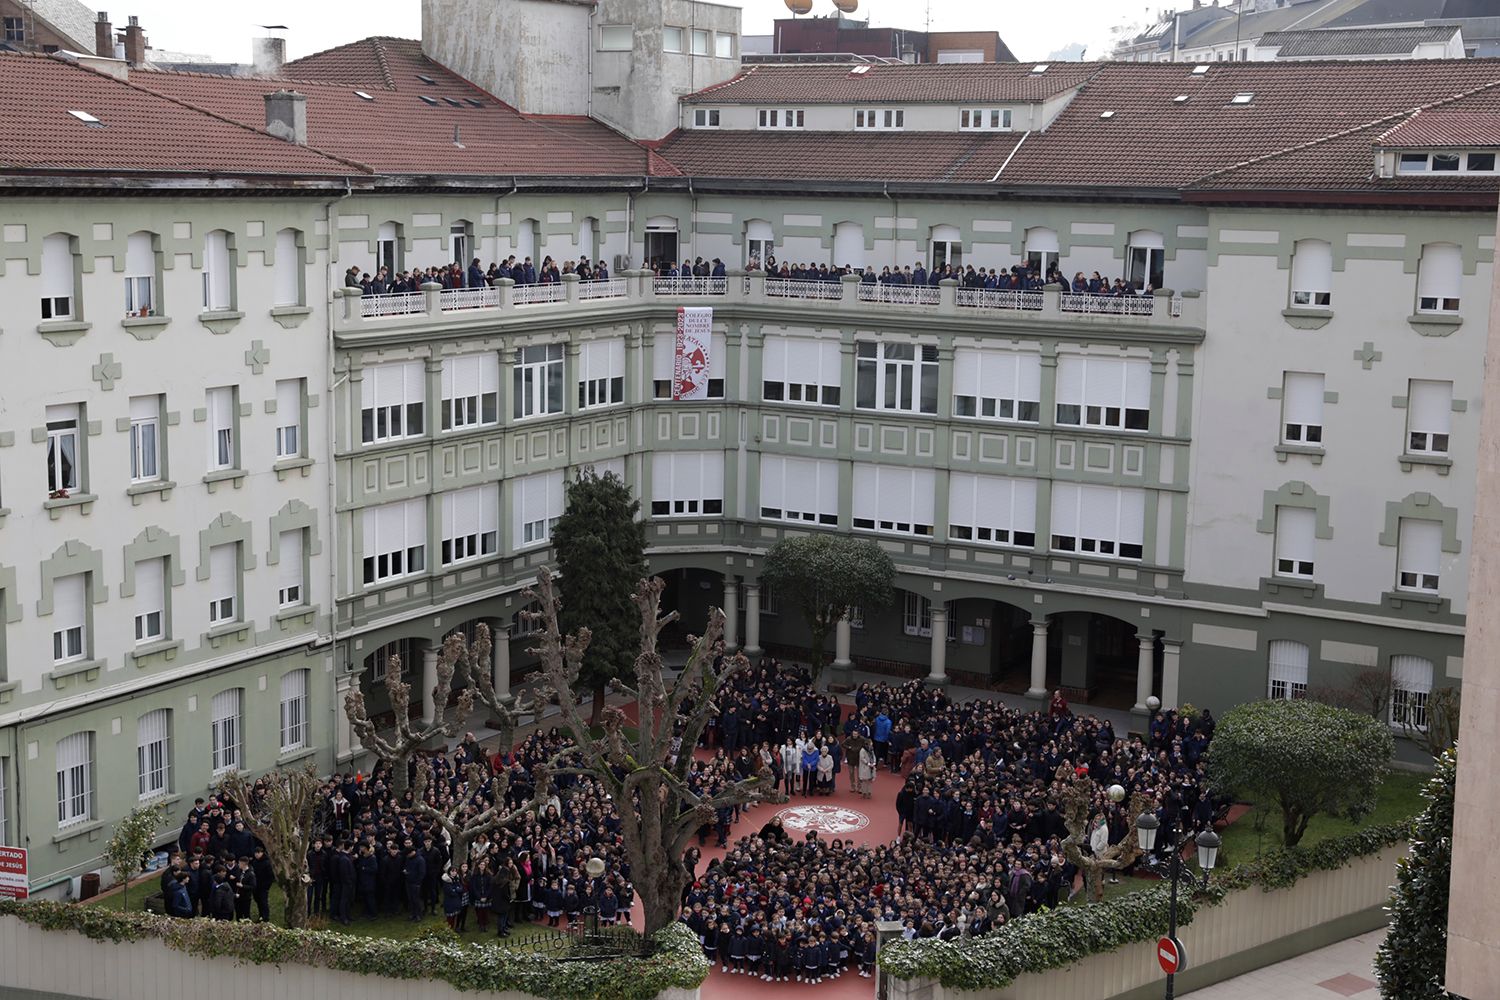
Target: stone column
1038,687
843,668
429,681
752,620
731,615
500,660
1145,668
1171,668
346,741
939,674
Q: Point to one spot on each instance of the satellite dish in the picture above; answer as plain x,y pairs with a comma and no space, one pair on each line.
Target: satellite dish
847,6
799,6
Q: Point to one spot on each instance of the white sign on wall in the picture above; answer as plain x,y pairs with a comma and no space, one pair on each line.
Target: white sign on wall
694,343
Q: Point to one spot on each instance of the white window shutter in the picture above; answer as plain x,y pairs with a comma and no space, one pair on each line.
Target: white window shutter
664,357
223,567
773,481
1288,666
73,751
1104,382
1041,240
145,407
1296,533
140,259
773,359
1138,384
712,476
289,566
294,685
288,401
288,277
1099,512
1132,522
1440,274
967,380
1312,266
962,498
1070,377
150,581
1066,501
866,492
1023,500
1421,546
414,515
1303,403
1412,673
68,602
57,266
1430,406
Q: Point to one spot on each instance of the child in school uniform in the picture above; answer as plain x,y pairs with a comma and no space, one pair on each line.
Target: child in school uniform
867,955
737,946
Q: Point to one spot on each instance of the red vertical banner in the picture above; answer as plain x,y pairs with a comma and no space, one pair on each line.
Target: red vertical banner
694,346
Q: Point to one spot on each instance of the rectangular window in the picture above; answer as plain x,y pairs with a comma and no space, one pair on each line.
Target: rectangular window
387,248
1296,540
916,617
705,117
224,583
992,510
616,37
1480,163
723,45
291,570
894,500
1412,163
471,523
395,540
223,450
1147,267
1429,410
153,754
75,779
289,397
671,39
145,439
150,600
801,490
15,30
1312,274
69,618
801,370
216,272
687,484
293,710
227,731
1288,670
984,119
537,381
1302,409
1112,393
700,43
1419,555
391,402
896,376
58,271
663,357
880,118
140,275
63,454
997,385
781,117
1100,521
1411,683
1440,278
471,391
287,289
536,507
601,373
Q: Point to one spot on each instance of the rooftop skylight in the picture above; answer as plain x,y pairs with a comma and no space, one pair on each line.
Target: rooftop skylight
428,100
1106,114
426,79
87,119
363,96
1040,67
453,102
1200,69
1180,99
1242,98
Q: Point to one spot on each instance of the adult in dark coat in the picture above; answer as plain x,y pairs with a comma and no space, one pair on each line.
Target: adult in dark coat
342,880
264,876
413,872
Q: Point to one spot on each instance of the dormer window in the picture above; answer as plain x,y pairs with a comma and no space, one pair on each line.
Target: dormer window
984,119
705,118
780,118
1445,162
880,118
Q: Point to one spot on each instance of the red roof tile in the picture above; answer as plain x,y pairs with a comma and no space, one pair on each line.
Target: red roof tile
887,156
1444,128
988,83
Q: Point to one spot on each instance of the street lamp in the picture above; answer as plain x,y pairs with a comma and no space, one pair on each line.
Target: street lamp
1146,828
594,867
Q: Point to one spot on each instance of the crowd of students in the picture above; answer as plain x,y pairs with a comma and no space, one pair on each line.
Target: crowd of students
519,270
1018,277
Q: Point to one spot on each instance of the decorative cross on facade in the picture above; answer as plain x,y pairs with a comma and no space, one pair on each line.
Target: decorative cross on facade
1367,355
258,356
107,371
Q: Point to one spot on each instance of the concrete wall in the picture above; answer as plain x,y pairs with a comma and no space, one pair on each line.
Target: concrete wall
532,54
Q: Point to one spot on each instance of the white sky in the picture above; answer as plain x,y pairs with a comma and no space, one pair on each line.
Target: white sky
1031,30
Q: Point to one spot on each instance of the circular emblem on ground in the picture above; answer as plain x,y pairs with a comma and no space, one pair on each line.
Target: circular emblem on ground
824,819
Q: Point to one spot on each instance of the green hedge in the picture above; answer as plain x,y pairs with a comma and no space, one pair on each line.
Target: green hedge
677,962
1055,939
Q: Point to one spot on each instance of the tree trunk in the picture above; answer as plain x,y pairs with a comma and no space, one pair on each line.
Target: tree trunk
459,842
294,913
597,719
400,780
819,640
1292,828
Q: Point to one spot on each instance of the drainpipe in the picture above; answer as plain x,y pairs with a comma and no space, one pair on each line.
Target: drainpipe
692,217
885,189
331,270
589,60
514,187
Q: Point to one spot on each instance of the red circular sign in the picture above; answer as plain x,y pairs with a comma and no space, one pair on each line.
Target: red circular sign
1171,955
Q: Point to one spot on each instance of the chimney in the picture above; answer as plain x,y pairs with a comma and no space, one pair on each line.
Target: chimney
267,55
104,37
286,116
135,42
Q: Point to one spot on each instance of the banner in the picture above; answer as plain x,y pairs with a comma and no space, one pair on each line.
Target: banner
694,342
13,880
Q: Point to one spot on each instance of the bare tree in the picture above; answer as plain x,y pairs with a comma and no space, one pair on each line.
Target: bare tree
660,809
462,818
1441,730
396,748
1075,792
1370,690
281,818
473,659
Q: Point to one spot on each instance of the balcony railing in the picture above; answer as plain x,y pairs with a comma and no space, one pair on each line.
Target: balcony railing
690,286
900,295
468,298
613,288
531,295
786,288
1105,305
395,304
999,298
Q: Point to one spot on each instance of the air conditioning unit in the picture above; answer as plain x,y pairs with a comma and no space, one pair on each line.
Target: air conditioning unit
622,263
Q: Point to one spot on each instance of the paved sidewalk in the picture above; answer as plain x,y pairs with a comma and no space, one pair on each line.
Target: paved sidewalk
1345,969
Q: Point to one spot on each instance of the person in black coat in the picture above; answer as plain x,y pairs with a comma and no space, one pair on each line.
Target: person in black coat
260,865
392,893
317,877
367,879
178,903
244,888
342,880
221,897
413,872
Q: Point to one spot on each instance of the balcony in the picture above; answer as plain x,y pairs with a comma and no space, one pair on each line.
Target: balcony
436,310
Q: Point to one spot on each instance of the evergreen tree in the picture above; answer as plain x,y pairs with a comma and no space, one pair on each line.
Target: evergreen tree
600,543
824,575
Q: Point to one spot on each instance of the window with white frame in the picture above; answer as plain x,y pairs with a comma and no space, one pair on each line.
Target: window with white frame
616,37
880,118
140,275
1287,672
1146,259
1041,249
59,274
287,277
150,600
460,243
471,523
1098,520
392,398
893,499
153,754
800,370
75,779
395,540
223,442
1429,411
1411,684
1440,278
218,272
723,45
224,583
916,617
388,248
145,438
1104,392
687,483
537,381
1302,408
1474,162
947,247
290,394
293,710
64,456
701,41
997,385
227,730
663,360
291,569
15,29
802,490
601,373
896,376
407,652
1296,541
984,119
671,39
705,118
1419,556
780,118
760,241
536,507
1312,274
471,391
70,618
992,510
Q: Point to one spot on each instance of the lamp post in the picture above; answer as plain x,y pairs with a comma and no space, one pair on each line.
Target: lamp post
1146,828
595,868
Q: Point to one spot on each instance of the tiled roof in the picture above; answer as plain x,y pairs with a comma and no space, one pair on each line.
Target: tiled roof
369,62
1334,42
1252,26
885,156
1448,128
140,132
900,83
